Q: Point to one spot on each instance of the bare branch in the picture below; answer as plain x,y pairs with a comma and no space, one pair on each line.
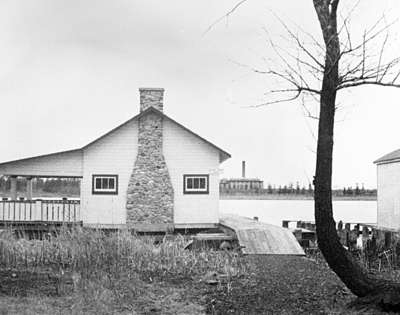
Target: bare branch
346,20
363,56
278,101
299,43
368,37
308,113
381,54
305,67
225,16
366,82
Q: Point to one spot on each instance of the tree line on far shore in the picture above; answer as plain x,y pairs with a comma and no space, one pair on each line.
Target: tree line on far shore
296,189
71,187
62,186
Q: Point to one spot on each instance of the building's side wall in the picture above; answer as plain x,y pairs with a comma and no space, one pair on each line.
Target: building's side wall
114,154
389,195
58,164
187,154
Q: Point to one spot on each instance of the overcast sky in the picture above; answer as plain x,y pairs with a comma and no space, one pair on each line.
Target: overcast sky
70,71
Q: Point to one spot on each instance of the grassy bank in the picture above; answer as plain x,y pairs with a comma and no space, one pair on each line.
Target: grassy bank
86,271
89,272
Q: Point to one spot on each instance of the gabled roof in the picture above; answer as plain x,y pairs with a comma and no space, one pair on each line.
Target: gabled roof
389,158
223,154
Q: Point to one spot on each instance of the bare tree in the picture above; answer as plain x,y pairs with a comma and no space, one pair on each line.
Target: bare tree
321,69
360,70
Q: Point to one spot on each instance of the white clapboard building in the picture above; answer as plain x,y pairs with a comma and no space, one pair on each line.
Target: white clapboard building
150,173
388,178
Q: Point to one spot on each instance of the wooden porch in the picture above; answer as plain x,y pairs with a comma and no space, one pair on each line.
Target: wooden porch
55,212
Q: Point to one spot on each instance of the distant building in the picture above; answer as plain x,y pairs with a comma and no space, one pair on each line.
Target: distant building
243,184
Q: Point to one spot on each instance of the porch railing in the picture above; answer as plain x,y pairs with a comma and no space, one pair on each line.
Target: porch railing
56,211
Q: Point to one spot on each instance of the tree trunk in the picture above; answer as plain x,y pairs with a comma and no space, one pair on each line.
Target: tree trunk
354,276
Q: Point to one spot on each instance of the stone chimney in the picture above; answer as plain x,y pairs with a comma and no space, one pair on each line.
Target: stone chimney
243,169
150,193
151,97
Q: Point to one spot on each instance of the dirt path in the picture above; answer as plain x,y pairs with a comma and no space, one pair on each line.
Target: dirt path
282,285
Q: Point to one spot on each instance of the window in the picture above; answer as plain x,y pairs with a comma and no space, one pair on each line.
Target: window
105,184
195,184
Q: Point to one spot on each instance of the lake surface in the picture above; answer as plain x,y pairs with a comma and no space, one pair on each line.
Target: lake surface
274,211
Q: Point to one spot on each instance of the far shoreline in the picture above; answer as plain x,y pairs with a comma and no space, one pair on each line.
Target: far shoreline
292,197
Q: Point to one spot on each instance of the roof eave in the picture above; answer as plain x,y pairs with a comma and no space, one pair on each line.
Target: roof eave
40,156
223,156
389,161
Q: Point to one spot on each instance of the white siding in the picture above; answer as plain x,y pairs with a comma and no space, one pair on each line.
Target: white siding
113,154
389,195
66,164
187,154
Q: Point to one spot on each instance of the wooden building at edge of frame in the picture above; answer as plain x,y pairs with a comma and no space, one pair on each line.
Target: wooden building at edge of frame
150,173
388,187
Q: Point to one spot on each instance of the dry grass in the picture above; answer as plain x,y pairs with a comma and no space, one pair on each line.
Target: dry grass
89,251
112,273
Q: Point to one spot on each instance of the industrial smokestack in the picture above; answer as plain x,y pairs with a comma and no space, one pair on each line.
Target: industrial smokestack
244,169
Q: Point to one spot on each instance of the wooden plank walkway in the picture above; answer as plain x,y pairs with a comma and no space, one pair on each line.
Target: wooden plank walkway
261,238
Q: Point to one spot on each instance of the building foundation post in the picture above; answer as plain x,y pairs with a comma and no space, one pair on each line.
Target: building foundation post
29,188
13,187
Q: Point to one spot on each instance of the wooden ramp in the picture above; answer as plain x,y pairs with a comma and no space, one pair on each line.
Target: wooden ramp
261,238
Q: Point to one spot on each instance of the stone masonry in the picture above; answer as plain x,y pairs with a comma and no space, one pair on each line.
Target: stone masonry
151,97
150,195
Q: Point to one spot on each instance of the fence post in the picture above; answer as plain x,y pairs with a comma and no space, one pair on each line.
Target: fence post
38,207
30,210
14,187
347,232
388,239
380,237
365,236
353,235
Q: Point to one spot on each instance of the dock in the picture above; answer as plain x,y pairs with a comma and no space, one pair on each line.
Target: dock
258,238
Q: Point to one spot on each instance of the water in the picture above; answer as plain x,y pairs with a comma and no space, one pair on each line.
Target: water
274,211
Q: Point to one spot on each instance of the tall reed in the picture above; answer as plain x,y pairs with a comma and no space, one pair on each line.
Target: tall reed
91,252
